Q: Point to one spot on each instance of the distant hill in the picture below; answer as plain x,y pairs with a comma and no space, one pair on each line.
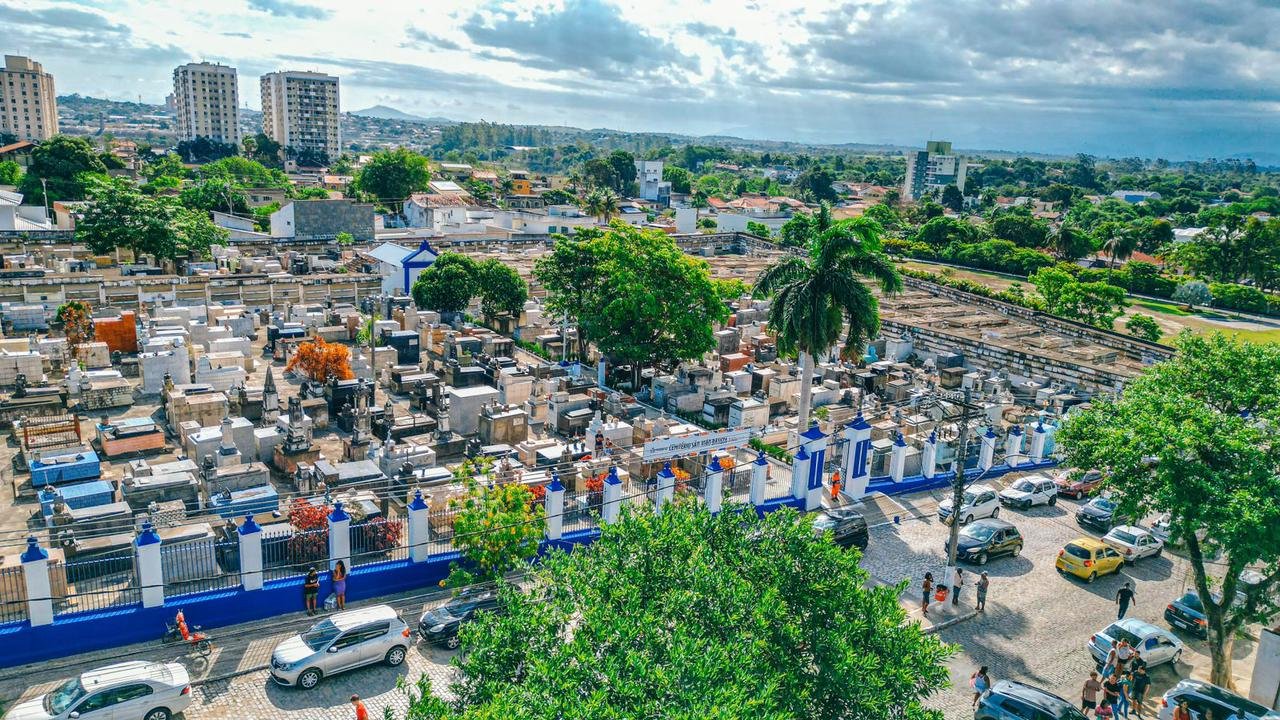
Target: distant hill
382,112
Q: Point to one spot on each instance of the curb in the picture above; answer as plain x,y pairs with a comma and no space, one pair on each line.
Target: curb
948,623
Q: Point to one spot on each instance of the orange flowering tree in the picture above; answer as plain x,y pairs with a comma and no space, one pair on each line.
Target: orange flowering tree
321,360
497,530
310,539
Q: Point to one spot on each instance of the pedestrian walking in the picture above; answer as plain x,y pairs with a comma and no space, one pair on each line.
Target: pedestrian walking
362,713
955,588
1111,691
311,589
983,583
1122,703
1124,596
926,589
981,683
1138,687
835,485
1089,693
339,577
1182,712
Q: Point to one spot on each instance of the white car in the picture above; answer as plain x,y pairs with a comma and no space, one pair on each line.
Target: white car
1133,542
979,502
134,690
1157,645
1030,490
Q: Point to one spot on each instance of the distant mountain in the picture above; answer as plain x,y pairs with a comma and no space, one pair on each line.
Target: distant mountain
382,112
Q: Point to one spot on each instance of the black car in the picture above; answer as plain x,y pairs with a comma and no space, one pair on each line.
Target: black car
848,528
1009,700
1097,514
985,539
439,626
1187,613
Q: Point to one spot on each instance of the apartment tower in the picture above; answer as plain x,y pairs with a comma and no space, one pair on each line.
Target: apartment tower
28,102
932,169
205,100
300,111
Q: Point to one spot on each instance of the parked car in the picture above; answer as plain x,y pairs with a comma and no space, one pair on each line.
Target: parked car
344,641
1087,558
1010,700
1028,491
1133,542
1097,514
1202,696
848,528
1187,613
135,690
979,501
1158,646
985,539
440,625
1078,487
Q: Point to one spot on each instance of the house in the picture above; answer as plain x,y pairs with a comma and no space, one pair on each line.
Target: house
19,152
521,183
261,197
323,220
652,187
67,212
1133,197
16,216
456,171
488,177
336,183
435,209
237,227
400,266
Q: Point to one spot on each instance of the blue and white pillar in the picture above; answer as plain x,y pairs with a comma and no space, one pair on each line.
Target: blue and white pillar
713,488
666,488
1038,438
339,537
1013,447
554,503
48,498
815,444
856,466
150,567
759,479
929,456
800,474
419,527
986,456
898,458
250,536
35,571
612,504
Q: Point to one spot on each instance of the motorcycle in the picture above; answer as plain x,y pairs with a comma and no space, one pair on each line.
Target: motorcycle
178,631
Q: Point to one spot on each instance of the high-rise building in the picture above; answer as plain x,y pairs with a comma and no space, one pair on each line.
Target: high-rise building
932,169
300,111
28,102
205,99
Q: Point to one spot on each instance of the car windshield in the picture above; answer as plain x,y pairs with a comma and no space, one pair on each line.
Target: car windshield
824,522
1127,538
1024,486
321,635
1077,551
1104,504
978,532
63,697
1192,601
969,498
1117,633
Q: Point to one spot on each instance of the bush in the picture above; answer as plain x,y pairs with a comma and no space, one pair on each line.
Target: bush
1192,293
770,449
1145,327
1238,297
998,255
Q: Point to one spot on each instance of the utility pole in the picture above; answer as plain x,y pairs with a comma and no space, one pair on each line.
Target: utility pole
958,485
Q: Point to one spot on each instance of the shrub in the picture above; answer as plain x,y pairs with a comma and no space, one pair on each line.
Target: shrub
1238,297
1145,327
1192,293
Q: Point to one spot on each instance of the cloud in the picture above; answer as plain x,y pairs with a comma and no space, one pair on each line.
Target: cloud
583,35
421,39
238,35
59,18
726,39
285,8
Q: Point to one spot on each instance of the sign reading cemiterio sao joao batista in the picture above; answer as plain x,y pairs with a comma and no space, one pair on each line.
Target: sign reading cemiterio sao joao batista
695,444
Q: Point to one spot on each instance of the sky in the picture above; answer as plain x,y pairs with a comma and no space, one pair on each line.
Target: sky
1155,78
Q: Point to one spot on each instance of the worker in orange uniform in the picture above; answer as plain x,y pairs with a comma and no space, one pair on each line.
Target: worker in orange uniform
362,713
835,486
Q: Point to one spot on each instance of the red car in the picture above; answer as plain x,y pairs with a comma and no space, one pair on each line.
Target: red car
1079,487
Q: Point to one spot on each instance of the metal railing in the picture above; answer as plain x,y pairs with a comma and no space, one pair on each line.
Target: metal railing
200,566
441,530
379,540
13,594
94,584
290,555
581,510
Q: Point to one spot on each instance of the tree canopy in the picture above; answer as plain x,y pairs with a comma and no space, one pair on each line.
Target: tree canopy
121,216
447,285
67,165
393,175
502,290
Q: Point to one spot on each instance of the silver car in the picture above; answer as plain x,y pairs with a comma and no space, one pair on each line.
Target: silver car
135,690
344,641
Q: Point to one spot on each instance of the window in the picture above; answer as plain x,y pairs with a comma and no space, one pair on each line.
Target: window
94,702
131,692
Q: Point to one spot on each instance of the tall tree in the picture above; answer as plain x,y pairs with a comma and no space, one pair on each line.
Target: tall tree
64,164
447,285
393,175
1194,437
601,203
952,198
122,217
1072,243
497,528
692,615
815,183
624,170
813,296
501,289
572,276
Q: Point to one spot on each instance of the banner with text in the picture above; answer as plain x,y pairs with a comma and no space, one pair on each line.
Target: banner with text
669,447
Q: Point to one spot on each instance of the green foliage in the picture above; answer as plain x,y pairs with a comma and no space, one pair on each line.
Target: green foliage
246,173
309,193
67,165
559,197
756,620
167,165
220,194
1145,327
203,150
497,529
759,229
1193,437
730,289
447,285
393,175
952,198
1193,293
680,179
10,172
572,275
1093,303
263,150
707,223
1021,229
502,290
345,239
1072,243
1000,255
941,231
815,184
601,202
121,216
481,191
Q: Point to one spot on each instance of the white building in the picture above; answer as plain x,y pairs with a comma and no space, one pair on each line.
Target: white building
652,187
932,169
16,216
400,265
300,111
205,101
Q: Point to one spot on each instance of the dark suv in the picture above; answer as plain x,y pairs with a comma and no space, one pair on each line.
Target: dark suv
439,626
847,527
985,539
1010,700
1097,514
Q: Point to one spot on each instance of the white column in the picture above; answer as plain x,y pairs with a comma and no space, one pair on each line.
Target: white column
592,428
48,498
666,488
815,444
898,458
150,568
929,456
250,554
600,372
612,497
339,537
759,479
857,458
986,456
713,488
800,474
1013,446
554,504
419,527
1038,438
35,570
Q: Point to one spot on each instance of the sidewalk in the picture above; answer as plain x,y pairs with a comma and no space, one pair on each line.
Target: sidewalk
941,614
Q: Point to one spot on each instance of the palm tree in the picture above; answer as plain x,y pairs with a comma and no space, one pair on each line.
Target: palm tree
601,203
815,295
1118,241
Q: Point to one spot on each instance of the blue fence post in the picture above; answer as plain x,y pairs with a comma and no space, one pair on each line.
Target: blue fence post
1013,447
666,487
1038,438
419,528
150,567
250,536
987,455
800,474
815,444
898,457
35,571
929,456
713,489
857,457
339,537
612,496
554,503
759,479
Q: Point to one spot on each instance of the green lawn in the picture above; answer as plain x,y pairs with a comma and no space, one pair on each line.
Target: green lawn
1162,307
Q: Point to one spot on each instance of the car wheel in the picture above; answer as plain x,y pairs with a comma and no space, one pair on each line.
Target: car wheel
1092,576
981,559
309,679
1158,552
996,512
1177,658
453,642
967,520
1053,500
395,655
1017,550
157,714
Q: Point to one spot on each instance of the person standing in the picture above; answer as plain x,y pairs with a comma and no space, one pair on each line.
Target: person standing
955,589
1122,702
362,713
981,683
311,589
1124,653
983,583
1111,691
1089,693
1138,687
926,589
1124,596
339,577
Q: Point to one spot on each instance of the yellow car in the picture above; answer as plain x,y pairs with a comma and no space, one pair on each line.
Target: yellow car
1087,558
